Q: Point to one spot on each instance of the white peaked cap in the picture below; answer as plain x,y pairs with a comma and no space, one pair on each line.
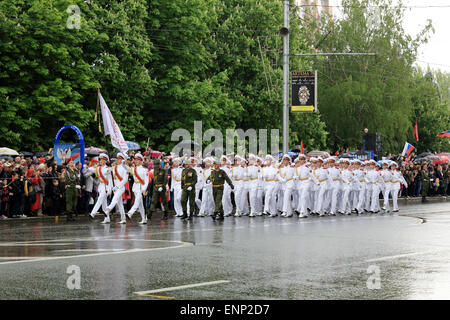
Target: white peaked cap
124,156
140,156
103,155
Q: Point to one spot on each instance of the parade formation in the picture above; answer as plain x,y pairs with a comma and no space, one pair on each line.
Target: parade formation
235,186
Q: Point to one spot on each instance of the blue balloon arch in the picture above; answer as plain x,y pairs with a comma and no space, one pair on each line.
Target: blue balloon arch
80,140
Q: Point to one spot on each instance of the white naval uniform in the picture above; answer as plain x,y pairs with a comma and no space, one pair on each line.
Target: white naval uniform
245,190
226,198
346,178
397,178
253,183
176,188
269,174
207,204
304,179
198,188
360,175
373,178
236,176
260,194
321,187
104,187
139,189
386,175
286,182
335,186
120,175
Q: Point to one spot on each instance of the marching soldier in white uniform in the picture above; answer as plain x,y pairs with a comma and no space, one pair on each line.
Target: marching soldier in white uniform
286,182
207,203
346,178
198,186
397,178
335,185
140,176
302,177
120,173
227,204
253,177
268,174
175,186
386,175
237,175
103,174
322,178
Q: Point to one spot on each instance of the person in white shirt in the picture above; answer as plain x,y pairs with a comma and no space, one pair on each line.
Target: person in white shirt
321,186
140,175
253,176
397,178
304,179
236,177
268,174
260,193
207,203
103,174
226,199
286,175
120,174
175,185
386,175
346,178
360,196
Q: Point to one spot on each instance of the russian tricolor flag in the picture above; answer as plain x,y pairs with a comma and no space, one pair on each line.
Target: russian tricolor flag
444,134
407,149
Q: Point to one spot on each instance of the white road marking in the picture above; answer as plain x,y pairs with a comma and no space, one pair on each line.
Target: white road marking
37,259
398,256
181,287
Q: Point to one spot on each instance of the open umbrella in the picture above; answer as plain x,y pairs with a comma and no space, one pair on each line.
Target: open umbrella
133,145
317,153
26,153
420,160
423,155
8,152
42,154
433,158
93,151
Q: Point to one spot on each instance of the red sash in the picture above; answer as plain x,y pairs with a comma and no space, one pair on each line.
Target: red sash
137,176
117,174
100,175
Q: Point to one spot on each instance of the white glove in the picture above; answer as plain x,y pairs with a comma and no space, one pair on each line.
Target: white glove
78,186
160,189
189,188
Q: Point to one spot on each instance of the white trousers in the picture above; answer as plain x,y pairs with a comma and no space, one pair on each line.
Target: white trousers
177,200
269,200
394,194
386,192
101,201
118,202
207,204
303,195
226,199
375,204
138,205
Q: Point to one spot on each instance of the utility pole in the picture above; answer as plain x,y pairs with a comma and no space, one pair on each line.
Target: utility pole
285,33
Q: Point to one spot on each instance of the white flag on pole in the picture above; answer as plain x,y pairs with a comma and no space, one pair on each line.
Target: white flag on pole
111,127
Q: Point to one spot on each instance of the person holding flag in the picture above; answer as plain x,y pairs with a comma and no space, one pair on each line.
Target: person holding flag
140,175
407,149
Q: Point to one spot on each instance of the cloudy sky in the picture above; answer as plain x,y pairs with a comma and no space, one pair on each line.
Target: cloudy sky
436,53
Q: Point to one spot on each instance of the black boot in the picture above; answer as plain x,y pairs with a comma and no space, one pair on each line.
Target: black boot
165,217
191,215
149,215
184,216
220,216
213,216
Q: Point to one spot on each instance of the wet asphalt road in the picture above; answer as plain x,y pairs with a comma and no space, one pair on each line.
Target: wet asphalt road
245,258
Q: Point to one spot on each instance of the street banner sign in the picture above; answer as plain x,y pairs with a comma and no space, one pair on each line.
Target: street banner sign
304,91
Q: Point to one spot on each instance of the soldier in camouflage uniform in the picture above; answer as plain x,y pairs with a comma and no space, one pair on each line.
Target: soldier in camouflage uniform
160,178
188,181
425,181
72,185
218,178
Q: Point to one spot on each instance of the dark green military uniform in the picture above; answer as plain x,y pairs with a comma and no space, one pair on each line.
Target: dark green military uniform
188,179
160,178
71,180
218,178
425,183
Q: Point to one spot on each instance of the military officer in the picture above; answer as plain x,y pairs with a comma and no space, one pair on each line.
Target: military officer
218,177
425,181
103,174
120,174
140,175
72,184
160,179
188,183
